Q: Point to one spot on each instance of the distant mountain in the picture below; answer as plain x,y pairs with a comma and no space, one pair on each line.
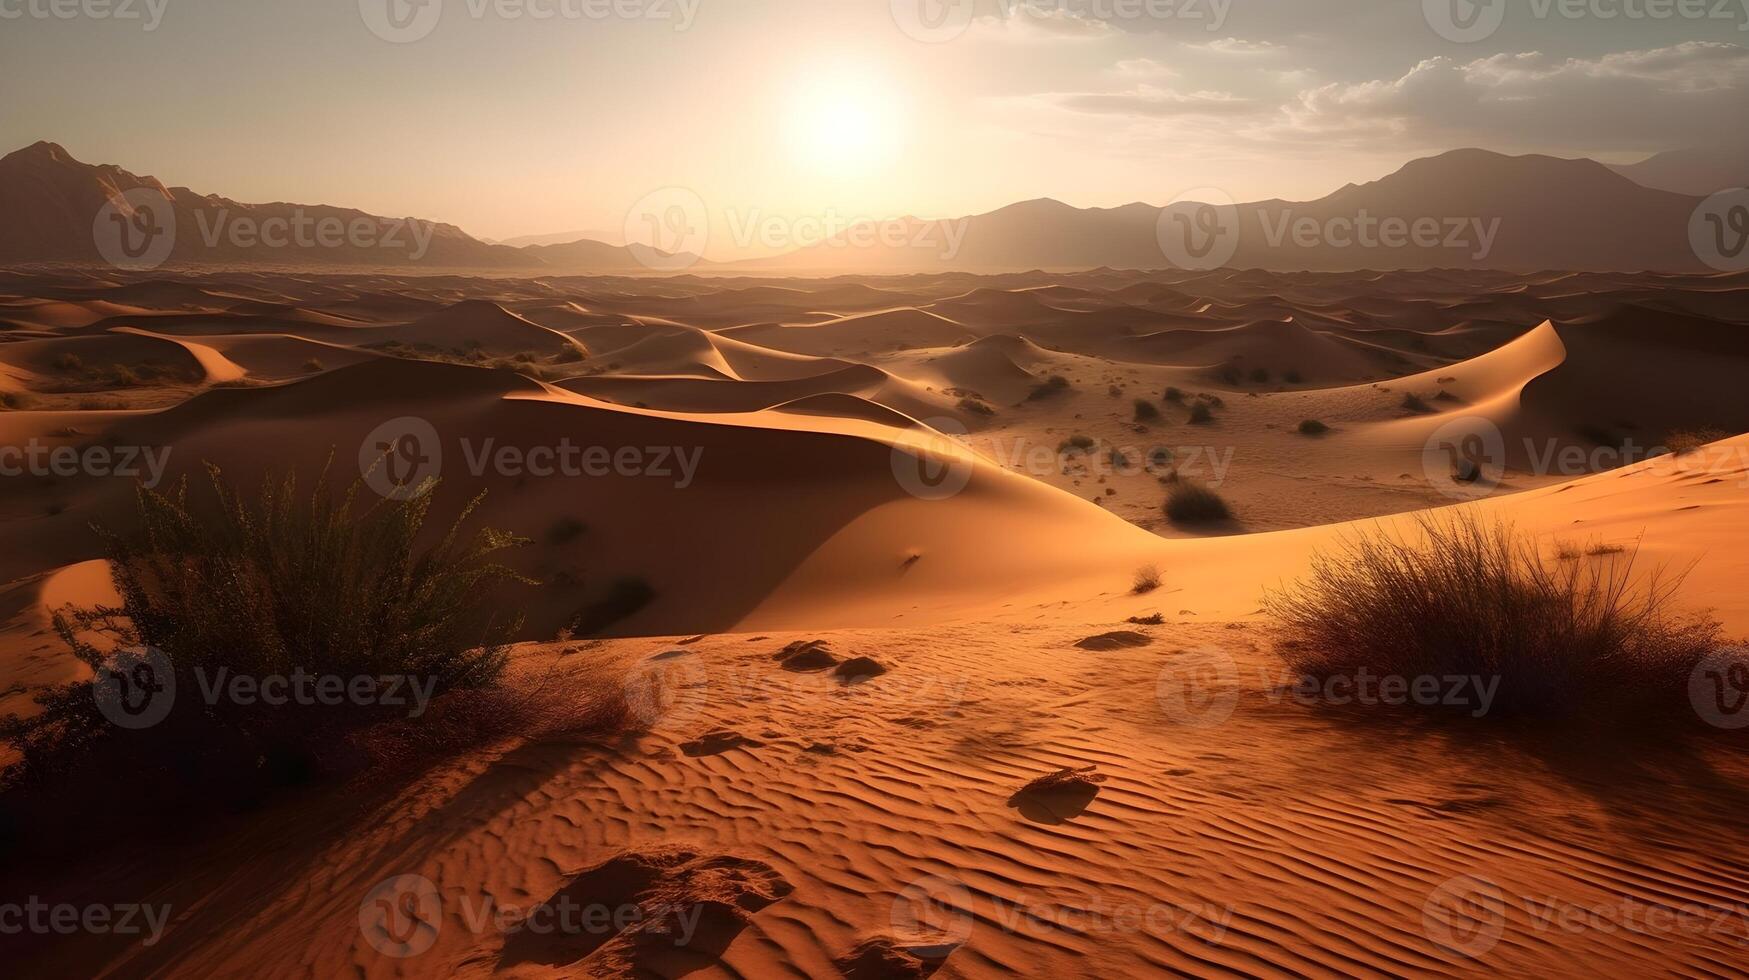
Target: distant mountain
1463,209
560,238
58,209
1701,170
588,256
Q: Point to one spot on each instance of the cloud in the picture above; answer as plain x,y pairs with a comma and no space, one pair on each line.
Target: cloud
1236,46
1636,100
1026,24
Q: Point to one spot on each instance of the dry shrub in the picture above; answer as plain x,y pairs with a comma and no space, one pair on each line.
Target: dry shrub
1189,502
1147,580
1475,599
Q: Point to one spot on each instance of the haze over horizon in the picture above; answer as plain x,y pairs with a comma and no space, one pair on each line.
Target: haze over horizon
509,123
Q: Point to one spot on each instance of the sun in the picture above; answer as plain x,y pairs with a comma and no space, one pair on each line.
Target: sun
843,120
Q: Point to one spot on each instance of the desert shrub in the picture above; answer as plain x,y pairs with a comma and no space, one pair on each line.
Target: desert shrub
1415,403
1147,580
1691,440
1189,502
1152,619
1052,386
570,355
1076,444
1200,414
1313,427
1174,395
68,363
269,585
1228,374
1260,375
1467,598
1146,411
971,406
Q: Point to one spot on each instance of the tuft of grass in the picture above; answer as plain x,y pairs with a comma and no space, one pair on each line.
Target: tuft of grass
1189,502
1146,411
1147,580
1313,427
1464,597
259,586
1200,414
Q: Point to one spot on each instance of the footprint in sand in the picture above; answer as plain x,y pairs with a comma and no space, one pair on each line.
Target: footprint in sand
1059,796
1118,640
718,742
674,912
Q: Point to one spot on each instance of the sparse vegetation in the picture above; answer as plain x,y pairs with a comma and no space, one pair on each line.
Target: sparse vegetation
1146,411
1152,619
971,406
1415,403
1052,386
1189,502
1229,375
1076,444
1200,414
1313,427
1260,375
1174,395
1691,440
1292,377
1466,598
285,581
68,362
1147,580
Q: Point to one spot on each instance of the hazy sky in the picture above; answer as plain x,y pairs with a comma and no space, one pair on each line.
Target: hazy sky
520,117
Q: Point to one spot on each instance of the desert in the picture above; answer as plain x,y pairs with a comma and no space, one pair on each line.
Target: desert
1061,490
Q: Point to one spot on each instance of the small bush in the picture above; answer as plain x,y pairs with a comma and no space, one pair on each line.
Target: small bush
1200,414
1146,411
971,406
1076,444
1147,580
1477,600
1229,374
266,587
1174,395
1189,502
1052,386
1152,619
1415,403
1313,427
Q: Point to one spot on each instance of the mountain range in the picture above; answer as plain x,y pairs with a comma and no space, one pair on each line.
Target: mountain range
1467,208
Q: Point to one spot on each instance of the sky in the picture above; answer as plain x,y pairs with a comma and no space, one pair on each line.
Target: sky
783,118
